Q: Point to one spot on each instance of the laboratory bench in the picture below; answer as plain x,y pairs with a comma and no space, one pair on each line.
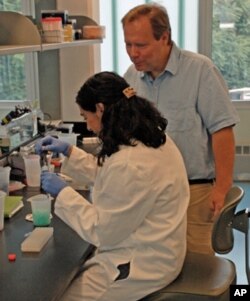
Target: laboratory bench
42,276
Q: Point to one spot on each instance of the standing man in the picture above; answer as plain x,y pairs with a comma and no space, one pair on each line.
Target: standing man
190,91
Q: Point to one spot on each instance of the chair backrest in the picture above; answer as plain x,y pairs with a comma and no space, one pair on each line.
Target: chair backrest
222,234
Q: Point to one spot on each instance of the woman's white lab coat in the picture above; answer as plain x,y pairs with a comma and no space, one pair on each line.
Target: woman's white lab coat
137,216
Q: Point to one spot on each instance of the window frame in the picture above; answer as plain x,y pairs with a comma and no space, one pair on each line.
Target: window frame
30,60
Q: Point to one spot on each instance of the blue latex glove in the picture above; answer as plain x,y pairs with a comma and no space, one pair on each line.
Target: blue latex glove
49,143
51,183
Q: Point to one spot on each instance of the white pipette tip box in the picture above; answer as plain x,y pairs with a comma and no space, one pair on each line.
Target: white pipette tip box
37,239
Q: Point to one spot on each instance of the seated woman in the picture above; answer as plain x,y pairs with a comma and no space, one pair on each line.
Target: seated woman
137,217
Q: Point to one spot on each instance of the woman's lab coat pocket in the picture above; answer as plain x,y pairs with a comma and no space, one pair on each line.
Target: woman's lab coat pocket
116,265
124,270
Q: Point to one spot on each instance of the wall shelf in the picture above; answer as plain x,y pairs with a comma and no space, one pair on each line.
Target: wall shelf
18,34
52,46
59,72
14,49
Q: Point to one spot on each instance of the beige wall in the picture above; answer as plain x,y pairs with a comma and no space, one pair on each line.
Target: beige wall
63,71
77,63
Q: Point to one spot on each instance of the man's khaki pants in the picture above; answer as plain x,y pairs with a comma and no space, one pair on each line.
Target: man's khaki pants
200,219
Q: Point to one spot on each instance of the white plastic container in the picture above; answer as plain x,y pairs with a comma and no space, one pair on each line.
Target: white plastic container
32,170
70,138
5,179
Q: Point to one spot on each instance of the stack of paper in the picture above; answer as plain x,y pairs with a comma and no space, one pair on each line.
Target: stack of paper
12,205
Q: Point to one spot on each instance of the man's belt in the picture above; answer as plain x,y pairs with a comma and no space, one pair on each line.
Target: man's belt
200,181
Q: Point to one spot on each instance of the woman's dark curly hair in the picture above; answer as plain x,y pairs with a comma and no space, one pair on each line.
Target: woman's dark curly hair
124,120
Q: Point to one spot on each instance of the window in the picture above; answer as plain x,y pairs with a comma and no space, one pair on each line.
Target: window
113,52
231,45
18,73
12,84
12,77
217,28
184,22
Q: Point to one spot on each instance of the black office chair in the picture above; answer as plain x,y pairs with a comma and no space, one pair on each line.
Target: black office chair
206,277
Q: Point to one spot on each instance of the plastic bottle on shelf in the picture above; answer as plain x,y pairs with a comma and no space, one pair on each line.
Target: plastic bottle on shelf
68,32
